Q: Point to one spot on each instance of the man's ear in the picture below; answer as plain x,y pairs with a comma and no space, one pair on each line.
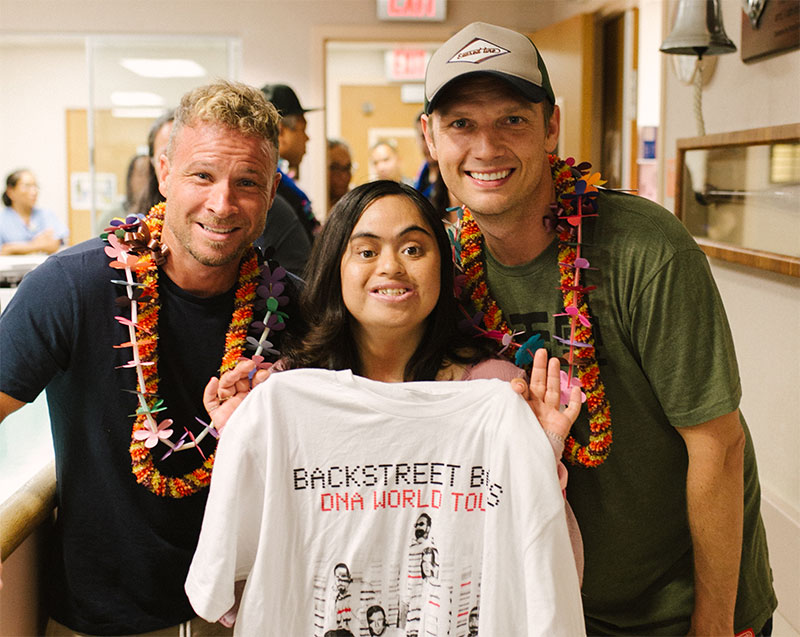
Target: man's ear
427,131
276,182
553,128
163,174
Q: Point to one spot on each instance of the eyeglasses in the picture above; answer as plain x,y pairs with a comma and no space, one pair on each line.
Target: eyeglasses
341,168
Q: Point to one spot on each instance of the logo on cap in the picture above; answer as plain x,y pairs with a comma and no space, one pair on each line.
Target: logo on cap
477,51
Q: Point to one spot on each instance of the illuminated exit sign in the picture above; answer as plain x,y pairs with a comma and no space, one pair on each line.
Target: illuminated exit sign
406,65
430,10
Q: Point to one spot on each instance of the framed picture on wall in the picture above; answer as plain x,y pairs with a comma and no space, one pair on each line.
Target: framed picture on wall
739,195
769,27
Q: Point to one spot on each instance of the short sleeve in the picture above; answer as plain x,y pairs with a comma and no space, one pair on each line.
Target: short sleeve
36,331
684,342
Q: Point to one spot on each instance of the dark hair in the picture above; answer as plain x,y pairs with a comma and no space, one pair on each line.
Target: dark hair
153,195
132,199
426,516
11,182
329,342
434,553
374,609
342,565
167,117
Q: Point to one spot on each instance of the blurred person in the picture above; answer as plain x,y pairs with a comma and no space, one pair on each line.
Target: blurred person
137,188
429,171
157,139
340,170
24,228
131,492
385,161
292,144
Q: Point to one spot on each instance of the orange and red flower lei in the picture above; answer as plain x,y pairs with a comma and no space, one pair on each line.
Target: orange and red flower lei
139,245
580,357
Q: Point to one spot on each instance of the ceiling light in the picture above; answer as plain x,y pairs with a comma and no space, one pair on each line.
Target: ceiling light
136,98
149,67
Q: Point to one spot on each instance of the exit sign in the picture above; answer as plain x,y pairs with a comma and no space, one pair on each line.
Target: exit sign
429,10
404,65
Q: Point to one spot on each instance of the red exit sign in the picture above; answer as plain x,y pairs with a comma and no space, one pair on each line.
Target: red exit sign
406,64
431,10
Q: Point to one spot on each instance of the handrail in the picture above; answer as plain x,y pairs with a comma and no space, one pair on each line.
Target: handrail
24,511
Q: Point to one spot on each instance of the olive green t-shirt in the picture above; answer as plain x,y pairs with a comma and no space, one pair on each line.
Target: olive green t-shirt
667,360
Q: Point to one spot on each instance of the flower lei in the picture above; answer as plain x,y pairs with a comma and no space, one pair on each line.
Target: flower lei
134,246
575,200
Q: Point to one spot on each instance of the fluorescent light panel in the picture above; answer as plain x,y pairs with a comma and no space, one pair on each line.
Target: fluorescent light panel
163,67
143,113
136,98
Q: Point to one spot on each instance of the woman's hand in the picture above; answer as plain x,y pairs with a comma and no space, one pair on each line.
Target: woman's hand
223,395
544,393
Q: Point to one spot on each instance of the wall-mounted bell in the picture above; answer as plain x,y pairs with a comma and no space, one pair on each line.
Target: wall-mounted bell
698,30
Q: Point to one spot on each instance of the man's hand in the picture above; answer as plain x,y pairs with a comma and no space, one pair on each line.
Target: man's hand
223,395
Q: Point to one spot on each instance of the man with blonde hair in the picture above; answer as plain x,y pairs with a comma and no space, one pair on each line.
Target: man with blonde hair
177,289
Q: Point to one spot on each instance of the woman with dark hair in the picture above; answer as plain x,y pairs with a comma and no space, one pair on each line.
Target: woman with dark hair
337,339
25,228
380,302
157,139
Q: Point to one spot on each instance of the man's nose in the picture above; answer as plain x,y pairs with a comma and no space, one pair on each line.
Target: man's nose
486,144
221,199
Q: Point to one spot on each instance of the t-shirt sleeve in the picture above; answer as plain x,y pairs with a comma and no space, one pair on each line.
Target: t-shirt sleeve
232,521
684,342
495,368
36,331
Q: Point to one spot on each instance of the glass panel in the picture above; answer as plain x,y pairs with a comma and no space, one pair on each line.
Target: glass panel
133,82
746,196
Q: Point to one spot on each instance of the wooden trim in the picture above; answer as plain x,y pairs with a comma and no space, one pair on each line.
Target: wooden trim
774,262
29,507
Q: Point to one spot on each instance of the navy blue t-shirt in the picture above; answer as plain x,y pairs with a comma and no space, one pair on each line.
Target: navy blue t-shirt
121,553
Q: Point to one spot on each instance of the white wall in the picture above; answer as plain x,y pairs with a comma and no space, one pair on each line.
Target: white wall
40,84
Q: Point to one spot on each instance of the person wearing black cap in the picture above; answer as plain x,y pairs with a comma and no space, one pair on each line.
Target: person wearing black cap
292,146
613,283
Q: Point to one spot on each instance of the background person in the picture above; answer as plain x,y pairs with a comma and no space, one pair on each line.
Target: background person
385,161
24,228
137,188
429,170
340,170
129,511
292,144
674,541
157,139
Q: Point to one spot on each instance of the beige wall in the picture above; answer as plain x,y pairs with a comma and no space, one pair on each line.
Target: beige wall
280,41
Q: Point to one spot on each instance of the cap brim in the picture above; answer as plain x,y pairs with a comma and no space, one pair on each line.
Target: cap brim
529,90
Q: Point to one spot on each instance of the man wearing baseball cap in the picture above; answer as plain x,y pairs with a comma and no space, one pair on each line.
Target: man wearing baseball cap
292,140
612,283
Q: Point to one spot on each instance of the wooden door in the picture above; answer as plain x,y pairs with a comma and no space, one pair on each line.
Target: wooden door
371,113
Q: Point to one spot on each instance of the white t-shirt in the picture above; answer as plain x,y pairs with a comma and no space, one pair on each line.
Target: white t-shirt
333,493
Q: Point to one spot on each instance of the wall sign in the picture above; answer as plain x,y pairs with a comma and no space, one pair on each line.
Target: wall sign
412,10
404,65
769,27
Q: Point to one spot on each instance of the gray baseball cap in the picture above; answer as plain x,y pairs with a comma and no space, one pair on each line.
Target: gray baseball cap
486,48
